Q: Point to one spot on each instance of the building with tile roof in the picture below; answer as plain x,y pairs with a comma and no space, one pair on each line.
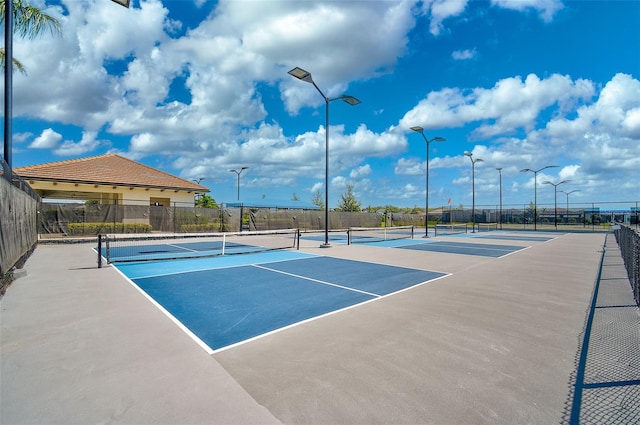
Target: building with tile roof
110,179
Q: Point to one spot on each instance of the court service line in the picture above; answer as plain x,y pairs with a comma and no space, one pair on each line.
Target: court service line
318,281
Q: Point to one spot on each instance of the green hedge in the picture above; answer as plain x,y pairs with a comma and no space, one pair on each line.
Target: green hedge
200,228
76,229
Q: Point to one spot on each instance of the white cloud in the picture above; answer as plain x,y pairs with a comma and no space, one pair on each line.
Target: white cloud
568,172
511,104
464,54
545,8
443,9
409,166
48,139
360,172
21,137
88,143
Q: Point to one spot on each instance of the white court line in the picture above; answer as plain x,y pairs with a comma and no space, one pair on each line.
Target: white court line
182,247
318,281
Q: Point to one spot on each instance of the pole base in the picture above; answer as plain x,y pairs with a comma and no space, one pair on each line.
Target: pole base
325,245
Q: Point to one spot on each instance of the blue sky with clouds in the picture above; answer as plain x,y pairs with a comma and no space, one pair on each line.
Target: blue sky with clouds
196,88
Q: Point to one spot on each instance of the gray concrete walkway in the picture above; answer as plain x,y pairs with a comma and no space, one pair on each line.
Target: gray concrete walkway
499,341
80,345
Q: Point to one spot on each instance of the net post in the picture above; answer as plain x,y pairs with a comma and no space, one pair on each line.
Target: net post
224,242
348,236
99,251
297,239
412,229
107,248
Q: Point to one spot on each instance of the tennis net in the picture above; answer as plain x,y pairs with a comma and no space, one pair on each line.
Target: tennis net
486,227
145,247
378,234
451,229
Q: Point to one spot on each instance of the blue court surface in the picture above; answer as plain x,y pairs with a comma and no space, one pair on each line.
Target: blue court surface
525,238
484,250
228,300
457,247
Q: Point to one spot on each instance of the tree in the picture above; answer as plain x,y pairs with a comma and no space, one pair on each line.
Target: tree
348,201
316,199
206,201
29,22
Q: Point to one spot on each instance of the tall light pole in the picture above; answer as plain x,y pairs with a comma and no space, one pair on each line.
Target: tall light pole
238,173
420,130
8,86
535,191
568,193
305,76
555,196
473,187
500,216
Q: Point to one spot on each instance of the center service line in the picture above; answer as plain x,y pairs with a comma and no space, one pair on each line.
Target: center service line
318,281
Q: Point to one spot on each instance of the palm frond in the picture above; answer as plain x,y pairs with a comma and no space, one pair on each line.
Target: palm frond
29,21
16,63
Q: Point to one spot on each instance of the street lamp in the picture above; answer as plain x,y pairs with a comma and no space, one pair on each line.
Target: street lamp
568,193
473,187
198,194
420,130
500,216
535,191
238,173
555,195
305,76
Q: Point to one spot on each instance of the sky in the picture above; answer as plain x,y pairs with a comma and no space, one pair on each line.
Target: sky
197,88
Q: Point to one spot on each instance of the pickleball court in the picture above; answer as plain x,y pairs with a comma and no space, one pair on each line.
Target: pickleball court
224,301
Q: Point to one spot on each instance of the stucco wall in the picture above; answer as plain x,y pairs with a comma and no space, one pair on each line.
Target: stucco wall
108,194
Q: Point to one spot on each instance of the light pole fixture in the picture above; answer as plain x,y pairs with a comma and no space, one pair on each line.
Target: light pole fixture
500,216
473,187
535,191
568,193
198,194
305,76
238,173
420,130
555,196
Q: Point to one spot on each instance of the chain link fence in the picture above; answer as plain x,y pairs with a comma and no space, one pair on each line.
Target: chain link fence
629,242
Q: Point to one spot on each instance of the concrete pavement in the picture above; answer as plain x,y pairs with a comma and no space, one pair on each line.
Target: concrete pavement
496,342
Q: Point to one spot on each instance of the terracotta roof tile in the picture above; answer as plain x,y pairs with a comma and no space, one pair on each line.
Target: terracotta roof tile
110,169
